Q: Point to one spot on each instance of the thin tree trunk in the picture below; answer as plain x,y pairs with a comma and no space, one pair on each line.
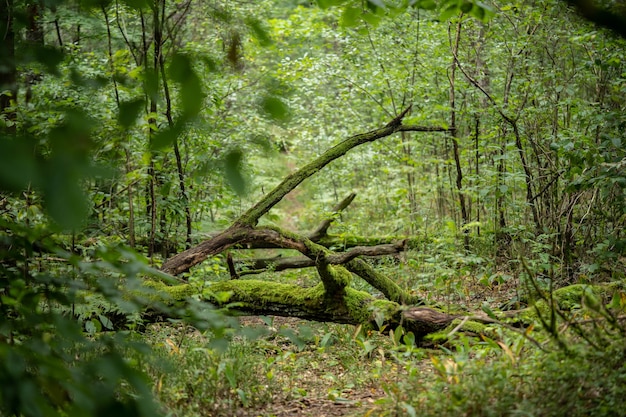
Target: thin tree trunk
152,123
8,71
455,139
477,167
131,208
127,164
512,121
179,163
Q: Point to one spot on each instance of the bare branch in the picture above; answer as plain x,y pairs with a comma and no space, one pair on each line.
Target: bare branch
322,230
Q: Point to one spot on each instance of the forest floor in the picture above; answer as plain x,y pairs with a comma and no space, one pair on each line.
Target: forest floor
288,367
323,398
297,368
331,370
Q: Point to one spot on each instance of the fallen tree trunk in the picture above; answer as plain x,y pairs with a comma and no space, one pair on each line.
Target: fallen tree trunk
332,299
255,297
183,261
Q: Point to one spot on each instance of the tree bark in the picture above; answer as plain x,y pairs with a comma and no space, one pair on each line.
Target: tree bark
255,297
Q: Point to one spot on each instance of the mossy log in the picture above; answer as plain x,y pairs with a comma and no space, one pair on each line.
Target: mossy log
322,257
346,305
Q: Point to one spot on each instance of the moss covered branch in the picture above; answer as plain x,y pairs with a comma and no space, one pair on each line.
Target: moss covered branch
322,230
258,265
185,260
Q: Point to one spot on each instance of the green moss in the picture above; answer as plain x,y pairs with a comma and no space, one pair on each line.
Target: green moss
531,314
311,246
342,276
335,279
349,241
467,327
362,306
250,291
251,294
568,298
168,294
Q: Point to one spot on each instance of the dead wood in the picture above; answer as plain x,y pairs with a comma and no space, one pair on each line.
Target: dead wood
322,230
333,299
279,263
183,261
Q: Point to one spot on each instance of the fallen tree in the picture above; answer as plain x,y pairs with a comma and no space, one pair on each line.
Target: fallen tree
333,299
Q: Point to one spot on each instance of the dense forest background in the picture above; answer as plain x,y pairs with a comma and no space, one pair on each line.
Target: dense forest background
132,131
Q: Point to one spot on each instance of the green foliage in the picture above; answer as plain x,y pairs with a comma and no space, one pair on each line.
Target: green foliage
113,141
49,365
505,384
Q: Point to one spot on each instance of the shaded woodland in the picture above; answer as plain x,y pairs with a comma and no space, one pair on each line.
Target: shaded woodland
290,191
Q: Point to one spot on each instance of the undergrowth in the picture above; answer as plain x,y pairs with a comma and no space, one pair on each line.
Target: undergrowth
568,359
382,375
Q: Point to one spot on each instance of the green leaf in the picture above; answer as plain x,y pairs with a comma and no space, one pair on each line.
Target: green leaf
106,322
482,12
449,11
466,6
377,3
426,4
409,339
232,169
137,4
90,326
128,112
615,301
350,17
18,164
151,84
325,4
191,94
65,200
259,32
591,300
410,410
485,307
478,12
371,18
180,68
192,97
48,56
275,108
166,137
66,168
